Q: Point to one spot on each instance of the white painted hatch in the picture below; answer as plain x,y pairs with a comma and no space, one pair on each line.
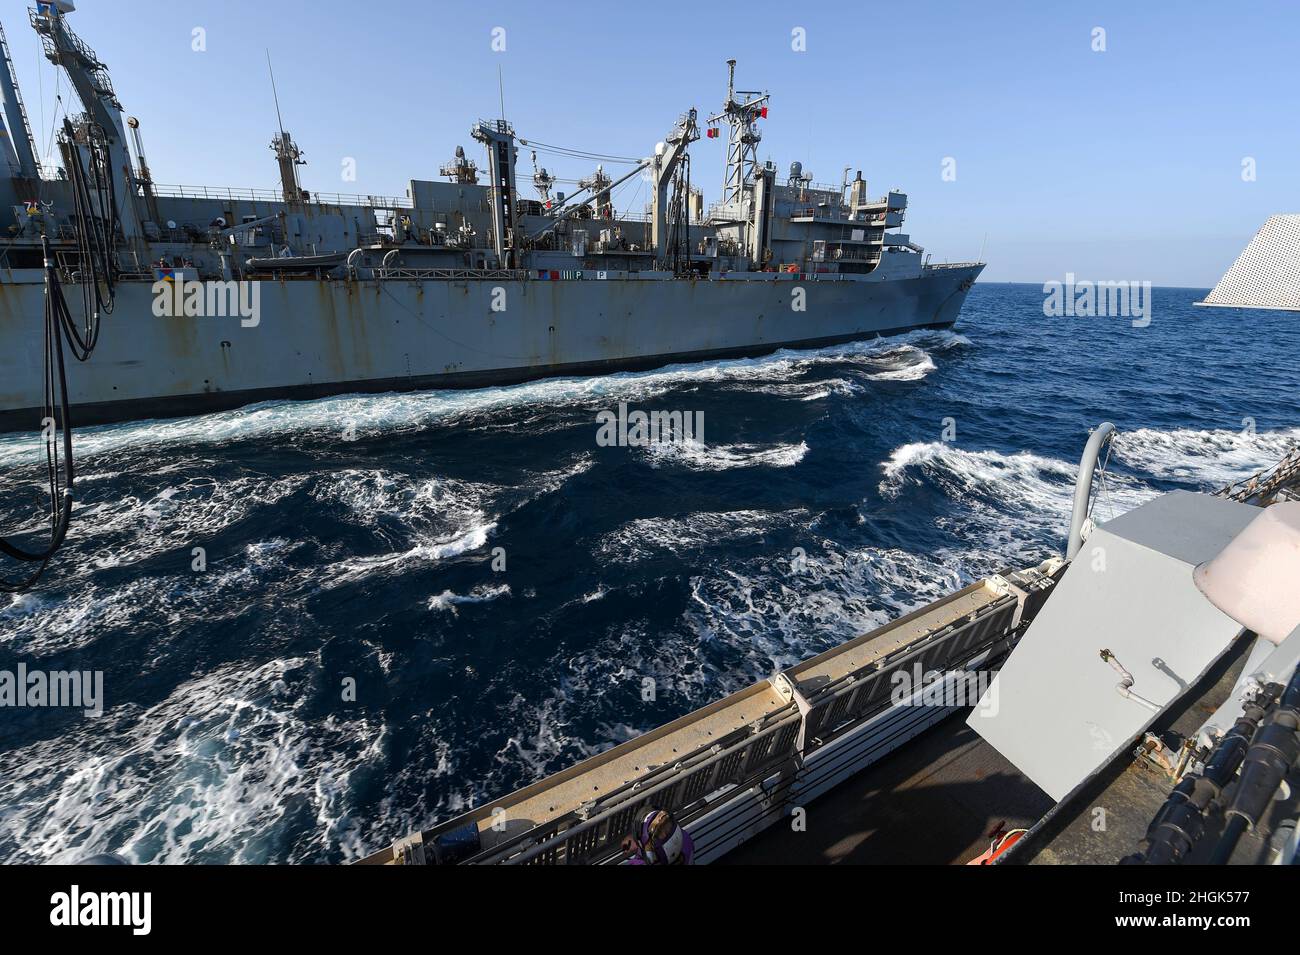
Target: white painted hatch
1054,710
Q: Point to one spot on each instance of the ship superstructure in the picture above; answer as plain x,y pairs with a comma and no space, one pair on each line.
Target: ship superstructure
439,287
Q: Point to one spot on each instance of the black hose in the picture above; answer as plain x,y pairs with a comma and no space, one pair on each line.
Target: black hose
1182,821
1232,834
96,241
1274,749
60,487
96,237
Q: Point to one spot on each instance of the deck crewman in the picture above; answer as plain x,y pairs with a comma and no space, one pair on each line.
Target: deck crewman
659,841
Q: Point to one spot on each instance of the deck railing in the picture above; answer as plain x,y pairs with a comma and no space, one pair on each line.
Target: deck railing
173,191
804,733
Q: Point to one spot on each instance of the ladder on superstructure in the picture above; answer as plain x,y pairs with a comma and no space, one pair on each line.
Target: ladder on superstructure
18,97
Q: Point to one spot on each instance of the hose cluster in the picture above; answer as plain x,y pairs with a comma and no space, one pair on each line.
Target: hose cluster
95,239
1242,773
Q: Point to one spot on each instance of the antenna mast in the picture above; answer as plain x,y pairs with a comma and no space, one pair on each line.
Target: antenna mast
742,118
287,153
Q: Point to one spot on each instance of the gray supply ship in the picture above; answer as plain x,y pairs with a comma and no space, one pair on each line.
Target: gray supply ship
220,297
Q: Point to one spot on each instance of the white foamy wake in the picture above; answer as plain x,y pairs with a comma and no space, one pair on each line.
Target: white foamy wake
435,519
814,390
699,456
1024,479
353,569
777,611
449,601
40,624
940,341
442,518
905,363
211,773
1207,459
542,743
130,529
419,522
656,536
541,740
913,372
366,416
1006,507
125,530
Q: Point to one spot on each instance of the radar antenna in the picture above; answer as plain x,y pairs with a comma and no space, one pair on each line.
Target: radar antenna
287,153
741,116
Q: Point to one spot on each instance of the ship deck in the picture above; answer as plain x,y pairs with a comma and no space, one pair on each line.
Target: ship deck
931,802
937,800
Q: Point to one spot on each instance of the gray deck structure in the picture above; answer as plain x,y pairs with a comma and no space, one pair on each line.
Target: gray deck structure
1062,713
936,802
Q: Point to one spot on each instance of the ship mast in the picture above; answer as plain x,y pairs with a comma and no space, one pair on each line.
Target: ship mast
741,116
499,138
543,181
287,154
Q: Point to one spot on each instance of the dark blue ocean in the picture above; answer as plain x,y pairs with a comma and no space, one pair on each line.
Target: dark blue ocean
351,666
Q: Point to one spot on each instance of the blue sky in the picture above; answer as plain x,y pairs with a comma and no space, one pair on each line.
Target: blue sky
1123,164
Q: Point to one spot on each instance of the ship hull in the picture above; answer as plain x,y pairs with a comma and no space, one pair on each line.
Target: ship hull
313,339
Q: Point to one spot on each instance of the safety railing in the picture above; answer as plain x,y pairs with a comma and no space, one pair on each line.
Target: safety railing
840,704
824,188
890,202
820,212
749,775
682,791
1281,481
421,275
174,191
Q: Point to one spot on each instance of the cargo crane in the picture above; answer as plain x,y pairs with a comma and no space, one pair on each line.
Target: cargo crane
668,156
89,78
